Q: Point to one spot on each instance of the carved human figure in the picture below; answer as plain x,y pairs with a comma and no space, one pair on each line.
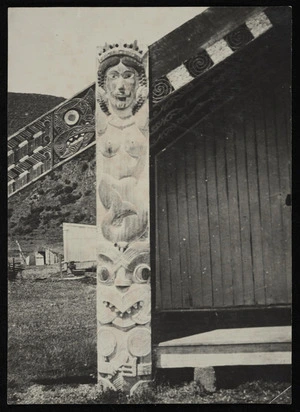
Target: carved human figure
123,145
123,270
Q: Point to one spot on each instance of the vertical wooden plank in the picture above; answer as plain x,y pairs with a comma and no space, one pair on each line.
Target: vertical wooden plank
262,155
237,121
210,154
222,190
282,119
234,213
253,193
183,225
173,218
287,210
160,211
203,223
156,273
193,219
161,257
279,286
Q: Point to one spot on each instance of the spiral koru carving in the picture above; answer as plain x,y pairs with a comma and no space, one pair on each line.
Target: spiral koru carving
199,63
239,37
161,88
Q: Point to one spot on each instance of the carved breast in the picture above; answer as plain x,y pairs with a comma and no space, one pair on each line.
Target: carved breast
109,146
123,151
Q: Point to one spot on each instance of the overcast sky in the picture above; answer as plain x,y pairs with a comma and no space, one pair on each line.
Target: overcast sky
53,50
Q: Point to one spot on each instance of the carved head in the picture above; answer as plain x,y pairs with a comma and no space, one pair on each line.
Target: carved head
121,79
124,295
74,125
120,85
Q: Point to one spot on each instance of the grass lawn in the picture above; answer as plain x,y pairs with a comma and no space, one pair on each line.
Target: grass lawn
52,330
52,353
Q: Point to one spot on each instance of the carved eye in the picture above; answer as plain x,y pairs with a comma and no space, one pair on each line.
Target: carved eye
113,75
142,274
104,275
71,117
128,75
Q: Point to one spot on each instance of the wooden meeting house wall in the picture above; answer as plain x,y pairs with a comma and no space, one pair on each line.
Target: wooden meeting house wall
222,206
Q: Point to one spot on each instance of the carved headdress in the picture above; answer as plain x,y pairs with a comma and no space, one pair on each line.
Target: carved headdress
127,49
130,54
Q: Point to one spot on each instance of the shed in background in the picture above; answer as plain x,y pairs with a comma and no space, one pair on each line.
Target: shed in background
79,243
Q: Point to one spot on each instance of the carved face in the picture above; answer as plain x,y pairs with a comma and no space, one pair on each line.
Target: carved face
124,295
121,83
74,125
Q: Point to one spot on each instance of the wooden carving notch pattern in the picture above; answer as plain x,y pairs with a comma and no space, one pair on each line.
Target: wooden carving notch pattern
29,153
123,268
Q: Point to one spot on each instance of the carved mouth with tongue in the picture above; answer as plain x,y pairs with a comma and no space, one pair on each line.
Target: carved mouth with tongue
122,97
127,309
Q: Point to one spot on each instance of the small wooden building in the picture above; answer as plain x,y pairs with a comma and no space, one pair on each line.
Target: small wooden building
39,259
221,174
43,256
80,244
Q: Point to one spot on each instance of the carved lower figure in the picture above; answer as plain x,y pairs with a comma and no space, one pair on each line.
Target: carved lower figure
124,308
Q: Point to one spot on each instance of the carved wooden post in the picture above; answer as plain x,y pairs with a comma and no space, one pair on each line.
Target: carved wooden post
123,270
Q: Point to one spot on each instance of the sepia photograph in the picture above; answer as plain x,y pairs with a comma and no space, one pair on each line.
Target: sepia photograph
149,205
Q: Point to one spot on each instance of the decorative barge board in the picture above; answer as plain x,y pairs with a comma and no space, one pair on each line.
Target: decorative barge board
51,140
211,72
227,347
202,43
123,267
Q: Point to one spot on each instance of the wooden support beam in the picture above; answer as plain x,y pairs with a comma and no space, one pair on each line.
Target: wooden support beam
123,270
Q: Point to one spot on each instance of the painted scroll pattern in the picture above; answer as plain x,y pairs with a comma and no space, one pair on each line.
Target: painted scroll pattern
48,141
123,270
239,37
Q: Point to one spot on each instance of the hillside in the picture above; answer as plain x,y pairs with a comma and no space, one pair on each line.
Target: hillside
67,194
23,108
